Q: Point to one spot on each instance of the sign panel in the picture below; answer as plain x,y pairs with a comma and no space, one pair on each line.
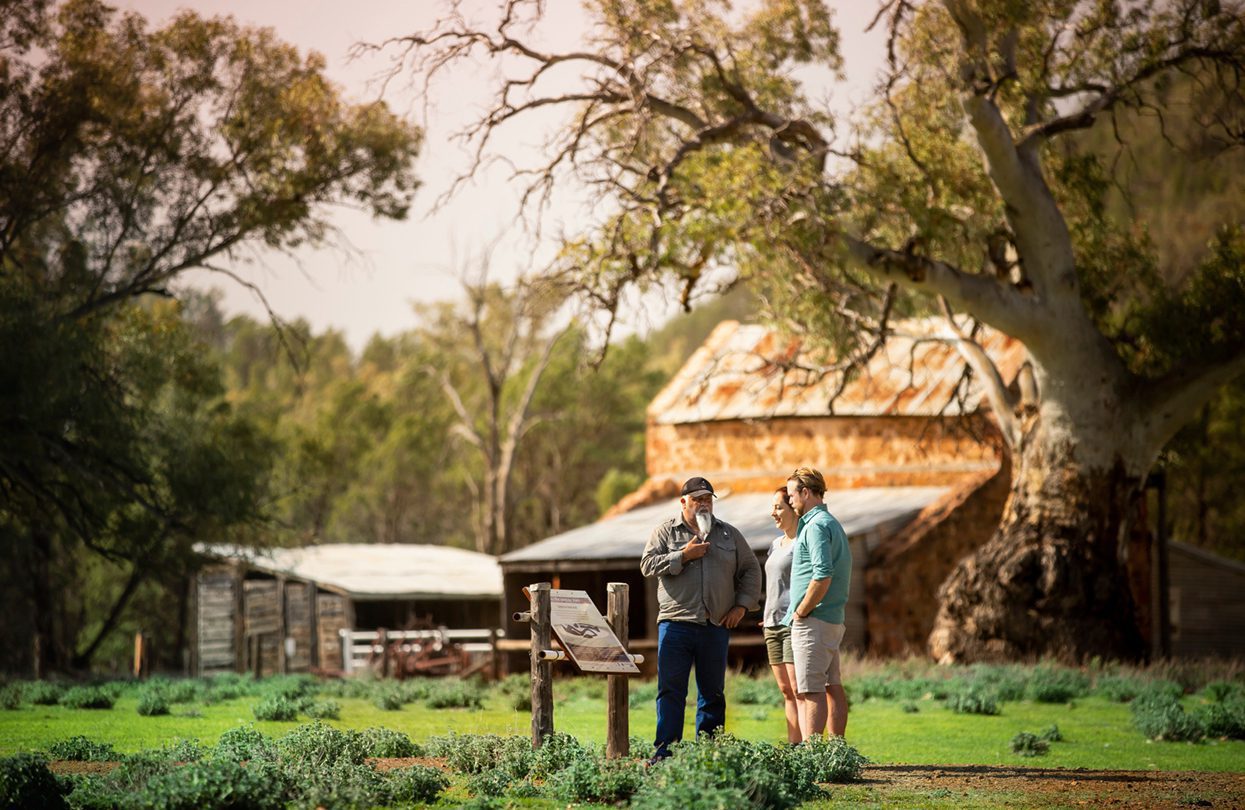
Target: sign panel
583,631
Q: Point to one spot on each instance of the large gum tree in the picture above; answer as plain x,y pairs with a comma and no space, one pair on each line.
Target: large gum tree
964,190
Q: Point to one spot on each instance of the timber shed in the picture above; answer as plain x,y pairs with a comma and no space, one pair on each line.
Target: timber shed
283,610
1206,595
904,444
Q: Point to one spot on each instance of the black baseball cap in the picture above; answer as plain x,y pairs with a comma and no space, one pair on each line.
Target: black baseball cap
695,487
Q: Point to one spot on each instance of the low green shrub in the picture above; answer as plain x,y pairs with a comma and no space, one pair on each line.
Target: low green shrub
387,743
276,707
322,709
1007,682
475,753
244,744
826,759
1157,713
215,785
1223,691
42,693
1051,734
455,694
908,707
1118,688
973,698
872,686
10,697
389,699
589,779
491,782
1223,720
179,751
642,694
1027,744
723,771
87,697
81,749
557,752
344,785
418,783
755,691
1049,684
26,782
313,746
152,702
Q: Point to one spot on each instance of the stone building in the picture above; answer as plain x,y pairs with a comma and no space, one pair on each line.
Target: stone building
912,460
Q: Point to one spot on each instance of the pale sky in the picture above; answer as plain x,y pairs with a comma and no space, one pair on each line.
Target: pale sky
393,264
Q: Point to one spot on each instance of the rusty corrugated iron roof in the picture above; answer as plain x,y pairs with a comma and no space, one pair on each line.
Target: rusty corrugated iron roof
747,371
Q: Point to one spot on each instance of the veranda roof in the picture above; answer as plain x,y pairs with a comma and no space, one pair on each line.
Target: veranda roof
375,571
622,537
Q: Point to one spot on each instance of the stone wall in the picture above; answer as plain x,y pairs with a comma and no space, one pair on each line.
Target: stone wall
905,571
850,451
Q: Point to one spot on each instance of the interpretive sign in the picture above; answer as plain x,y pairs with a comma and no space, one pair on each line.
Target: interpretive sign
588,640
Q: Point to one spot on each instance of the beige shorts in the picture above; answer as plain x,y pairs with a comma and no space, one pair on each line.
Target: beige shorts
816,646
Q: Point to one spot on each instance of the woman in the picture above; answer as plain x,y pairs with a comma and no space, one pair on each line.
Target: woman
777,599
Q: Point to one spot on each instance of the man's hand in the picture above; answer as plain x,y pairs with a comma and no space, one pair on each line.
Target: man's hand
695,549
733,617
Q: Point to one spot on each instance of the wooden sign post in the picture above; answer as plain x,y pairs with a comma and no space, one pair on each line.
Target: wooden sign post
589,642
617,706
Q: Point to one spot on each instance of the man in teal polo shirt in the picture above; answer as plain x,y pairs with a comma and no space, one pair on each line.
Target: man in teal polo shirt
821,574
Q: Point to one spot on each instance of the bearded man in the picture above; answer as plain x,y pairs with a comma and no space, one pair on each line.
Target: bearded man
707,580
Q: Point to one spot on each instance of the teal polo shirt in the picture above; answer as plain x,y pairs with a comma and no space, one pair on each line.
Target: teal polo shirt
820,551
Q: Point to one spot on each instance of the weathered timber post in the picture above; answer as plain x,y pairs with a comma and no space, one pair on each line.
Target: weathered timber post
542,670
617,718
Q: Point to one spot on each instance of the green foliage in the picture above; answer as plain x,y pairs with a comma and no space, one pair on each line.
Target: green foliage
454,694
754,691
1027,744
605,781
1050,684
476,753
244,744
1158,715
1119,688
1223,691
707,772
276,707
322,709
81,749
384,742
391,699
153,702
26,782
973,698
10,696
86,697
419,783
316,745
42,693
1051,734
1223,719
219,784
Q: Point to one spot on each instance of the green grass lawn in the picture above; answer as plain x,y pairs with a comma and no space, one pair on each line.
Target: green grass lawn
1097,733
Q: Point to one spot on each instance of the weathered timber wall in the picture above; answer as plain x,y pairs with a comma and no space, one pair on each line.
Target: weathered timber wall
1207,603
214,605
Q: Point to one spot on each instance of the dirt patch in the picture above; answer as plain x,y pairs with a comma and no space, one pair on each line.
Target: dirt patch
1069,787
383,764
68,767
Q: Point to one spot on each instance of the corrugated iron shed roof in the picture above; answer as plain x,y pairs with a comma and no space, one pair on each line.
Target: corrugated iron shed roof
624,536
379,571
746,371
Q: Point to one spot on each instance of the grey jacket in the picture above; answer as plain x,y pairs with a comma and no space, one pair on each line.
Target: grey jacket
701,590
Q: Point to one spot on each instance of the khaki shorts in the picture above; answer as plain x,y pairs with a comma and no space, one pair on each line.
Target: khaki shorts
778,645
816,645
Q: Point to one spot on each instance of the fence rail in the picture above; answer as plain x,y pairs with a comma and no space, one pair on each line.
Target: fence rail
366,649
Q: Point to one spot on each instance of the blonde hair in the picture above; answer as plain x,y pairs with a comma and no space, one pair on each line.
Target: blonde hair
809,478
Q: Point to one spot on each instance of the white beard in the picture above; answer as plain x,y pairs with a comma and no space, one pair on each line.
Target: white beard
703,521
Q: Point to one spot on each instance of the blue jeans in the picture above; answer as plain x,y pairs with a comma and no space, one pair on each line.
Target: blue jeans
679,646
